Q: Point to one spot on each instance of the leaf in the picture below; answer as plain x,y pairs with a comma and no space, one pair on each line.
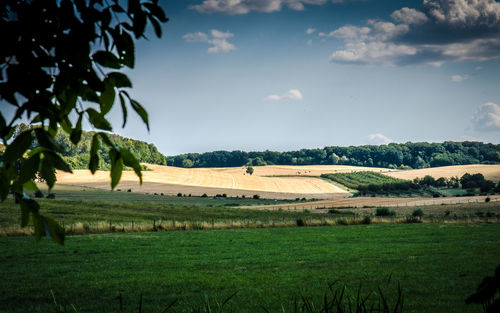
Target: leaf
29,168
119,80
156,26
106,140
28,206
94,156
56,232
130,160
56,161
17,148
48,173
157,11
98,120
36,218
30,185
107,97
47,141
106,59
124,110
139,23
76,133
125,47
116,167
141,111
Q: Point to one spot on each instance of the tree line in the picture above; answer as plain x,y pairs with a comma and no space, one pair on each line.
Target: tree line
405,155
77,156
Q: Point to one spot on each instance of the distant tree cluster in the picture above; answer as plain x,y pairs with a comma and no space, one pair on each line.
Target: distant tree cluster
77,156
407,155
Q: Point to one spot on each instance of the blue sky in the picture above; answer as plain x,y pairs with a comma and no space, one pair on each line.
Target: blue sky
291,74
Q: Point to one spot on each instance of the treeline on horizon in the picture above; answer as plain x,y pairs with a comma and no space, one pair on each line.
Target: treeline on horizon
394,155
77,156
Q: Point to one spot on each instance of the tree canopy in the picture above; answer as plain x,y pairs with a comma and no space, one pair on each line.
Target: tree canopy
60,62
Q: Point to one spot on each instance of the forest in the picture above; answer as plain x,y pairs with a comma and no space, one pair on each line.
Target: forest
402,156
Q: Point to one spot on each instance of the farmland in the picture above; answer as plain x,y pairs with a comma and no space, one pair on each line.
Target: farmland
90,271
273,182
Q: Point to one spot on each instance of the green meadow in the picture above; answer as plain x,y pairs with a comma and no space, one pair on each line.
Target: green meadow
437,265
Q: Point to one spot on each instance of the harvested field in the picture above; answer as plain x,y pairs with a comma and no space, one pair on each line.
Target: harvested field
232,181
371,202
301,170
491,172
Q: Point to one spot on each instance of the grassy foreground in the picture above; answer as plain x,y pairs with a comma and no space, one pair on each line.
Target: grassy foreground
438,266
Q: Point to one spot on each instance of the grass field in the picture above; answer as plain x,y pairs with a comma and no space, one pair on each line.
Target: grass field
438,266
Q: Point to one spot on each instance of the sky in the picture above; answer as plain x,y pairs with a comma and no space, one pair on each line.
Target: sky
290,74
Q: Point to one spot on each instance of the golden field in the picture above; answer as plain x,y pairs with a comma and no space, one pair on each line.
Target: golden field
278,182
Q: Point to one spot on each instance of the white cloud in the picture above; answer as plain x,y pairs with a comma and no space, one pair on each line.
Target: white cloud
348,32
409,16
459,78
378,139
292,94
216,38
376,52
310,31
443,31
487,117
234,7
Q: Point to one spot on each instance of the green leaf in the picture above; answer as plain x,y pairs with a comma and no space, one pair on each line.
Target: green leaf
141,111
28,206
17,148
48,173
94,156
30,185
156,26
66,125
56,161
55,231
116,167
106,140
119,80
36,218
76,133
98,120
29,168
106,59
139,23
157,11
125,47
124,110
107,97
47,141
130,160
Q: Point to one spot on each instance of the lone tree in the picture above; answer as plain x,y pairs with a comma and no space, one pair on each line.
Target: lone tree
250,170
59,64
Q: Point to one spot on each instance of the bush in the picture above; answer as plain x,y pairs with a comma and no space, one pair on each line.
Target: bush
412,219
341,221
129,190
333,211
51,196
366,220
487,199
417,212
179,194
384,211
300,222
38,194
256,197
204,195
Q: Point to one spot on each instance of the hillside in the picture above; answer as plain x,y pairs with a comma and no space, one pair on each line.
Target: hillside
402,156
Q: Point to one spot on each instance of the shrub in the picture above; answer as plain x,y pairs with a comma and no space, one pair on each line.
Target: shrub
204,195
300,222
412,219
417,212
487,199
384,211
129,190
256,197
341,221
224,195
51,196
333,211
38,194
179,194
366,220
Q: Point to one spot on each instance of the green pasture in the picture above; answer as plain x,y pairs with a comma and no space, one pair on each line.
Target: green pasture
438,266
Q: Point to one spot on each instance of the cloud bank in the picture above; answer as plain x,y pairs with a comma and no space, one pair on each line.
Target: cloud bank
378,139
292,94
217,39
441,31
487,117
